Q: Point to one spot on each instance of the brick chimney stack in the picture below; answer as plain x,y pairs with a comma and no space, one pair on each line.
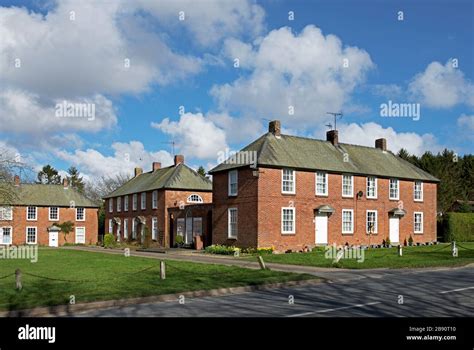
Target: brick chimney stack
381,144
138,171
65,182
178,159
16,180
156,166
275,127
333,137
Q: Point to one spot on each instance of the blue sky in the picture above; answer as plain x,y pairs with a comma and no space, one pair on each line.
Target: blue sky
426,59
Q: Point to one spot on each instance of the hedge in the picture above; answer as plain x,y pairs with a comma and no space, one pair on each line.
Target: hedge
459,227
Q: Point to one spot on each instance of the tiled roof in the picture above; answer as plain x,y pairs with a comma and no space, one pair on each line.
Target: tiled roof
49,195
173,177
311,154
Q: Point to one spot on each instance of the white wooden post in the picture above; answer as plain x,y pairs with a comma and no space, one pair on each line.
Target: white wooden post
400,250
162,270
18,279
454,249
261,262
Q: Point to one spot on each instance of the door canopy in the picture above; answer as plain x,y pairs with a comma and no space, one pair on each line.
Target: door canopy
397,212
324,209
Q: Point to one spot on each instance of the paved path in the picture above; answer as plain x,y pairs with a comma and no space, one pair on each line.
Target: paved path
435,293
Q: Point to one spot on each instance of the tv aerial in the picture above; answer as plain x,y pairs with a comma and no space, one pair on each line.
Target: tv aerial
336,115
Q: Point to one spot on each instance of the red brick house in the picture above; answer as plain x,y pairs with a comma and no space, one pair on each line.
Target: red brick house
36,209
302,192
143,202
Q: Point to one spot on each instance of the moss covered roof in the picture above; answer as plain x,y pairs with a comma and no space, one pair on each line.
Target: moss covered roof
176,177
311,154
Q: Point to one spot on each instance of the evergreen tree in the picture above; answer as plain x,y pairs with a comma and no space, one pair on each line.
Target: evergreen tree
48,175
75,180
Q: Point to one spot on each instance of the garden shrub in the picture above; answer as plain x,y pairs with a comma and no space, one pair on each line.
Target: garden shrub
109,240
221,249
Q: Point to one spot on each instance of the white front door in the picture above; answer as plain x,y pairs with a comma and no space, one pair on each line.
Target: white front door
321,221
394,223
53,239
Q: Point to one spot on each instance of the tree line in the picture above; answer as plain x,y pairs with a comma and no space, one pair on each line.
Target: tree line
455,172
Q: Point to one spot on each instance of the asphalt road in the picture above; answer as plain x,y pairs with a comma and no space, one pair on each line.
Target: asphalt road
417,293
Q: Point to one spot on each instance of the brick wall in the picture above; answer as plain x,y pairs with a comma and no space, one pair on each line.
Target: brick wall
19,224
265,194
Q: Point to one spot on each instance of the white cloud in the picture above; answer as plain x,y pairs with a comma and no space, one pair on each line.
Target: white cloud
23,112
126,157
442,86
196,135
210,21
366,134
63,58
389,91
303,70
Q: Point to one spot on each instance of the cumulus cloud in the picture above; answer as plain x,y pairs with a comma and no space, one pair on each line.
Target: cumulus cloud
22,112
466,124
126,156
442,86
366,134
210,21
307,73
196,135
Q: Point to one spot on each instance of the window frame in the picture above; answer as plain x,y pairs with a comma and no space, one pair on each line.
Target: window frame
134,201
3,235
229,223
119,204
293,181
36,235
367,187
293,230
229,178
419,232
125,203
125,228
200,200
3,210
111,205
421,191
390,189
84,214
143,201
351,231
49,214
326,180
75,234
27,213
154,199
352,186
154,227
376,221
111,224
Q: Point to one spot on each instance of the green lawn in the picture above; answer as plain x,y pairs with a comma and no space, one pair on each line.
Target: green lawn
422,256
99,276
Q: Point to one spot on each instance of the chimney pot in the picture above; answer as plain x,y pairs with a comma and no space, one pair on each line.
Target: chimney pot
16,180
381,144
179,158
138,171
275,127
156,166
65,182
333,137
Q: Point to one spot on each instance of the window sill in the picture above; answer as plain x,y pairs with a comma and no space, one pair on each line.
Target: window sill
418,200
321,195
352,196
417,233
347,233
288,193
288,233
